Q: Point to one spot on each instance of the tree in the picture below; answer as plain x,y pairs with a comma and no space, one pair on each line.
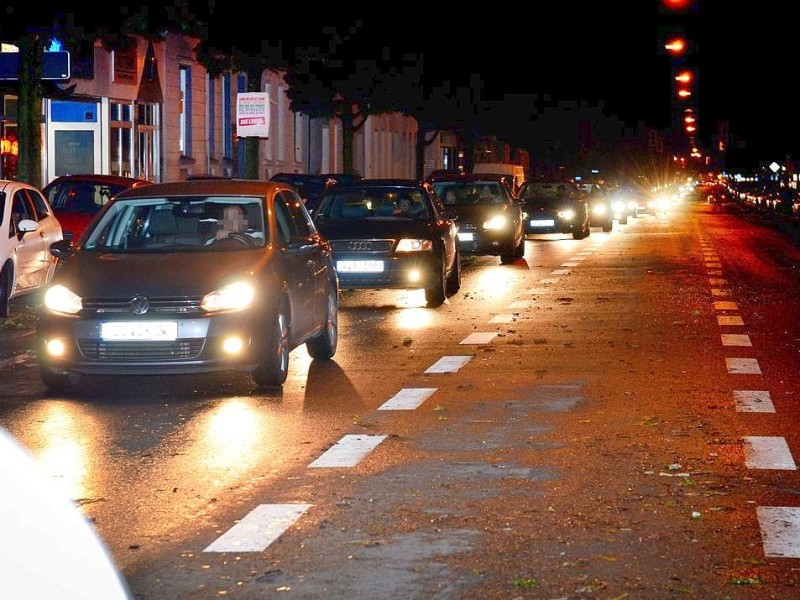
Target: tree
30,109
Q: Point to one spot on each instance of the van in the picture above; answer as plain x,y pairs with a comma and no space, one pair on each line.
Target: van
516,172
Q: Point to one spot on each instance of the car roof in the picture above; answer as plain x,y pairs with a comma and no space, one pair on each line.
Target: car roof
386,182
100,178
221,187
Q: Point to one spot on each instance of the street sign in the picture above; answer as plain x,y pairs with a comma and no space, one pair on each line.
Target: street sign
55,66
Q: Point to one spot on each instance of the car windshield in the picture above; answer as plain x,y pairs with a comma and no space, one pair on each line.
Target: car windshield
179,224
474,192
81,196
544,192
354,204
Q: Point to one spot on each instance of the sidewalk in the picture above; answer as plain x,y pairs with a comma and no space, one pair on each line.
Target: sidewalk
18,334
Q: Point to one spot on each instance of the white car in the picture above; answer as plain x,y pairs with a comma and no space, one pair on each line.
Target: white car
27,228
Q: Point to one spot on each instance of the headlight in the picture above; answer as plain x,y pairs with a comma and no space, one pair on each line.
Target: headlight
633,205
409,245
568,214
599,209
235,296
496,222
619,206
60,299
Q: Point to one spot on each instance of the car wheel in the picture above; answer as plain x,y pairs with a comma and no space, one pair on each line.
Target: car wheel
623,221
608,226
510,257
275,368
435,295
519,251
5,292
323,346
57,382
579,234
454,279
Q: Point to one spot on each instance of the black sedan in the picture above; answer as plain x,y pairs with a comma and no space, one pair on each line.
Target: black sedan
391,234
191,277
554,207
601,211
489,216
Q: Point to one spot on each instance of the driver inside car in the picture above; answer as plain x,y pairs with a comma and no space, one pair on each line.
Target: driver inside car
233,220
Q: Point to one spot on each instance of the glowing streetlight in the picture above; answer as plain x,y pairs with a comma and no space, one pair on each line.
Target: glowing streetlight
684,93
675,45
684,77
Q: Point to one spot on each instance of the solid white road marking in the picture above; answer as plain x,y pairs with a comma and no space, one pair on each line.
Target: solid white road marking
480,337
725,305
259,528
729,320
735,339
780,530
521,304
768,453
348,451
753,401
745,366
503,319
407,399
448,364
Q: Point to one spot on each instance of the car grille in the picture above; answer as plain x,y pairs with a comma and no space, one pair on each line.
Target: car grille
179,304
361,246
141,351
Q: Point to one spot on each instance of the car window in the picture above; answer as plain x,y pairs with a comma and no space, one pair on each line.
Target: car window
21,208
180,224
375,203
39,204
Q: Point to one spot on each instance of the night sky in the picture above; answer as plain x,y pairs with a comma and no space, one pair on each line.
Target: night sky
746,55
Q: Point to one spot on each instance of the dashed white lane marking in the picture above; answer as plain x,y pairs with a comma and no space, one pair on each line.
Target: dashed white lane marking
717,281
572,264
407,399
536,291
729,320
348,451
714,272
480,337
259,528
735,339
753,401
560,272
780,530
744,366
503,319
448,364
720,292
725,305
762,452
713,264
521,304
549,280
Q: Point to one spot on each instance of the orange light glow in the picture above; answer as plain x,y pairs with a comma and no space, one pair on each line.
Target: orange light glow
9,146
676,4
690,128
684,93
689,119
676,45
684,77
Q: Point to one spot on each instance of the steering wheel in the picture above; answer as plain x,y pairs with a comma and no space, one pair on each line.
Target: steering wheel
242,238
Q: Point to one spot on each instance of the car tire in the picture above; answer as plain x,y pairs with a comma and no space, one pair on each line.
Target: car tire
5,292
608,226
579,234
509,257
519,252
454,279
623,221
275,367
436,294
57,382
323,346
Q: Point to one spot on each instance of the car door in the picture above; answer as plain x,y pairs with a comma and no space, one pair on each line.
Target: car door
26,247
302,260
49,231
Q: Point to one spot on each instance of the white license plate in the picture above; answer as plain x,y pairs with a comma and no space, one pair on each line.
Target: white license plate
543,223
466,236
359,266
148,331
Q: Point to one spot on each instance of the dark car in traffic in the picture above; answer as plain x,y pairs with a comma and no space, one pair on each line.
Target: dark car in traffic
76,199
391,234
489,215
601,211
190,277
554,207
312,186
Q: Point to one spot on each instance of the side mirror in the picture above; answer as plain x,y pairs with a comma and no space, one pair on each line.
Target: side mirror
62,249
26,226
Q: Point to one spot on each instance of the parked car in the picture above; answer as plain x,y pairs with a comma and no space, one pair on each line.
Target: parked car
601,212
489,215
310,187
29,227
554,207
389,233
76,199
191,277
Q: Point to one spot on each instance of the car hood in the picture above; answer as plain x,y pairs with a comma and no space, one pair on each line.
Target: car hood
547,204
114,275
474,213
375,228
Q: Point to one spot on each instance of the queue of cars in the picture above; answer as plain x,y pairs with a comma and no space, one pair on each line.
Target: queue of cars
215,274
